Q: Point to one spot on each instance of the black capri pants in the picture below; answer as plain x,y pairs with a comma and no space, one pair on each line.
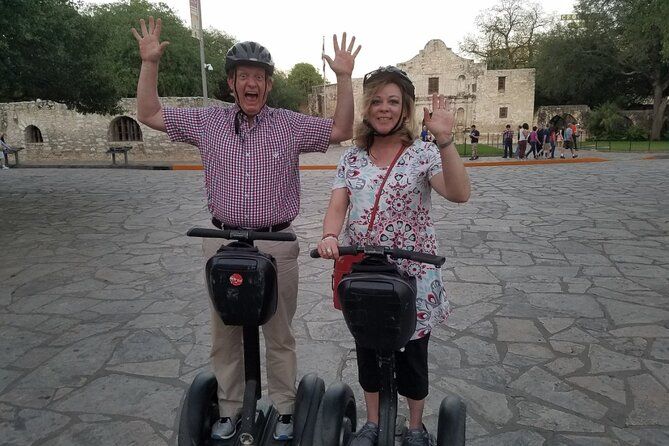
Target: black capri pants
411,375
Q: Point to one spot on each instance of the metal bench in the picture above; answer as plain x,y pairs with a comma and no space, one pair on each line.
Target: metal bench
115,150
13,151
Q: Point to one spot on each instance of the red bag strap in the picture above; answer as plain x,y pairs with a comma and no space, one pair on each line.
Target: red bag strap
378,194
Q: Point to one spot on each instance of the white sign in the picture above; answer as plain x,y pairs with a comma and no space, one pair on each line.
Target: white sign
195,23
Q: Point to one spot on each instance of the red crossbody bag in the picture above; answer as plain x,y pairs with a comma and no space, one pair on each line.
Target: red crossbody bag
345,264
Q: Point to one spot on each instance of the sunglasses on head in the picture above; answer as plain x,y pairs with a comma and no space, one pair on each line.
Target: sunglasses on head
381,70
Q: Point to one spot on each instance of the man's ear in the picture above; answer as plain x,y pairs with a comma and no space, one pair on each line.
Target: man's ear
231,85
269,84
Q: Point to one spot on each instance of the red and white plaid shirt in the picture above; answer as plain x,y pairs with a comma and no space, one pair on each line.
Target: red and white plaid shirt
251,177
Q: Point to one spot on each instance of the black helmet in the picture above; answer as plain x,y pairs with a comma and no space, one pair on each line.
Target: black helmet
393,74
249,53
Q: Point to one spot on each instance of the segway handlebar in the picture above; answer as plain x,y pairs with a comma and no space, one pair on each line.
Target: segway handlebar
241,234
393,253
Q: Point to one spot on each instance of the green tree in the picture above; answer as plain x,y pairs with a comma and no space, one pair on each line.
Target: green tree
578,64
118,54
507,34
640,31
302,78
46,52
216,46
283,95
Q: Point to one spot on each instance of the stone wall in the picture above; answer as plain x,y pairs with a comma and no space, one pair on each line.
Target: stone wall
68,135
562,113
472,89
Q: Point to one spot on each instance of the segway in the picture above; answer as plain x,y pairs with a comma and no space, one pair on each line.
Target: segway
242,285
379,306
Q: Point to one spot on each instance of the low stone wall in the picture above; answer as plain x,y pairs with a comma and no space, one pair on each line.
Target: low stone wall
71,136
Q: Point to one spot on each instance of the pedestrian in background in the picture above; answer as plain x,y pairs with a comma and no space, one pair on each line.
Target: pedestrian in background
507,139
552,139
474,136
569,141
4,159
523,135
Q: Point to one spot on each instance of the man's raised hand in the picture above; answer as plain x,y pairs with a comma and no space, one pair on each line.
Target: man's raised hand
344,58
150,47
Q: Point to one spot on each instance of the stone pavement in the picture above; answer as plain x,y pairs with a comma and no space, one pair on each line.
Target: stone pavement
559,275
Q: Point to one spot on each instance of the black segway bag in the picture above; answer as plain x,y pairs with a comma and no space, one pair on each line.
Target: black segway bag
242,284
379,305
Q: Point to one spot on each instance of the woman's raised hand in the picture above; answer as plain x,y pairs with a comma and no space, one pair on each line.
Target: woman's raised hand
440,121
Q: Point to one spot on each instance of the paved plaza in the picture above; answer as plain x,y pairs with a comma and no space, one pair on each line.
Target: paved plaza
559,275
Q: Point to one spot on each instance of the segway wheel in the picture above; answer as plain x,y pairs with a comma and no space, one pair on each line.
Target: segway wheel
337,416
198,411
307,401
452,419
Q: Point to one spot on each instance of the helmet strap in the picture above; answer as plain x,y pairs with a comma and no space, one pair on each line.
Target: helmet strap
398,126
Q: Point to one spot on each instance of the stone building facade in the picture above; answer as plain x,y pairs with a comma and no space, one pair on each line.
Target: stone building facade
490,99
49,131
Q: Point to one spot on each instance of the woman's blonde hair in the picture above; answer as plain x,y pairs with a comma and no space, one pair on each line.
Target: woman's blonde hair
364,133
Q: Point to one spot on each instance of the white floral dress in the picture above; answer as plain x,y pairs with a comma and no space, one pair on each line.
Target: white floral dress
402,219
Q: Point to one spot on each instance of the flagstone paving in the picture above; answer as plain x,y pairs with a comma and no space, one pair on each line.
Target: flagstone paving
559,275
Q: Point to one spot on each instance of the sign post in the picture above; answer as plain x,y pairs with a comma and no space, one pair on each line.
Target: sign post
196,26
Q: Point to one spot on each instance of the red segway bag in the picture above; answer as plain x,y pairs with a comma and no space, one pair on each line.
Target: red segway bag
379,305
242,284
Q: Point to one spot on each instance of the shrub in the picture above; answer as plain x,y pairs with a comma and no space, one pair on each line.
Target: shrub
637,133
606,122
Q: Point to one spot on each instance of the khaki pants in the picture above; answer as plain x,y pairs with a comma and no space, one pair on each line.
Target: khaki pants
227,355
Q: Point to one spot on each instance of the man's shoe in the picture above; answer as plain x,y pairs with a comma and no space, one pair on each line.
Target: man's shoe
476,157
284,428
416,437
574,156
368,435
225,428
561,157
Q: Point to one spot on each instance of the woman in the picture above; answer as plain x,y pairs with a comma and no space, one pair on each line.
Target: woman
388,130
534,142
552,139
522,140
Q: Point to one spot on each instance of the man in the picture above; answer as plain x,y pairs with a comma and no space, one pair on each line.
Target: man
569,142
507,138
574,134
250,154
474,136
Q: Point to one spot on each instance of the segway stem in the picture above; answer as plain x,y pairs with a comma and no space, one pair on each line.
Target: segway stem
252,378
252,357
387,399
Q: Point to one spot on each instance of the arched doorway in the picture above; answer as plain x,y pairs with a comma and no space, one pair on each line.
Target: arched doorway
33,135
124,128
460,117
557,121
